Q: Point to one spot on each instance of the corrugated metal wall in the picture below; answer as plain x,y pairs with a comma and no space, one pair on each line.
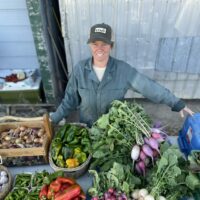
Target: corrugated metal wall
17,49
158,37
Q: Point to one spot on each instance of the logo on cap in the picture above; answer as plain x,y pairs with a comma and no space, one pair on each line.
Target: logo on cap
100,30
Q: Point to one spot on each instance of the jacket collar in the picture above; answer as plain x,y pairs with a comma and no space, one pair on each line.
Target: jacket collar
109,69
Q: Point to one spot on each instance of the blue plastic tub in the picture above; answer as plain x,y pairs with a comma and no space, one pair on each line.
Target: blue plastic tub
189,135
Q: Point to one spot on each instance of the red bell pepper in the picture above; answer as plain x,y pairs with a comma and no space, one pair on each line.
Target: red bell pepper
70,193
64,186
43,192
66,180
55,186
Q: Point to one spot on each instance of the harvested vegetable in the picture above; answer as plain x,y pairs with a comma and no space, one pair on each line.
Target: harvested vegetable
114,134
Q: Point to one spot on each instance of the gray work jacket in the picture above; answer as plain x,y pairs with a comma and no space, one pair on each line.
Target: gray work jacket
94,97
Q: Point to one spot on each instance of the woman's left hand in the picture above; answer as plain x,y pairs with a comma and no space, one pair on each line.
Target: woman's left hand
186,110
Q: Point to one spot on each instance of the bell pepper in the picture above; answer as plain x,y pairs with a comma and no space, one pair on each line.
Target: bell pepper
55,186
70,193
60,161
77,150
72,163
63,180
43,192
55,150
64,186
81,157
66,152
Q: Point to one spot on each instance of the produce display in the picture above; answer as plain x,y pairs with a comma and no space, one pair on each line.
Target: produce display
71,146
22,137
125,139
132,159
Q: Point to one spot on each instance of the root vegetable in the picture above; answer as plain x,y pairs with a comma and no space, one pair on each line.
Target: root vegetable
143,192
7,138
41,140
142,155
153,143
17,141
142,167
149,197
147,150
135,194
135,152
22,128
36,140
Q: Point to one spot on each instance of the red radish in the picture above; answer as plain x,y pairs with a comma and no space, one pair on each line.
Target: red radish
147,150
135,152
142,155
146,161
153,143
146,140
155,153
142,167
158,137
155,130
137,168
95,198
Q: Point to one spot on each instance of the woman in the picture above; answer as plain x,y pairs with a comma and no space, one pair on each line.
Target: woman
97,81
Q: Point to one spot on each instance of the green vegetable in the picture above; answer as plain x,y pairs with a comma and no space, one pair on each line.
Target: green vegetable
81,157
119,177
170,176
60,161
17,194
66,152
22,180
38,178
114,134
55,150
48,179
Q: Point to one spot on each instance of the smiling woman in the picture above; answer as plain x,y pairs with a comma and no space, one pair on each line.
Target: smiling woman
105,79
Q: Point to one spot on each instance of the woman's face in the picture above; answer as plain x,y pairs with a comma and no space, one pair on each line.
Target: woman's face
100,51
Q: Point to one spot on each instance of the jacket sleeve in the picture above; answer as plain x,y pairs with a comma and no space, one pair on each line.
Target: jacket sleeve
69,102
154,91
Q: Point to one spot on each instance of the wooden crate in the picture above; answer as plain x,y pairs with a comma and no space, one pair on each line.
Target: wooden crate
16,153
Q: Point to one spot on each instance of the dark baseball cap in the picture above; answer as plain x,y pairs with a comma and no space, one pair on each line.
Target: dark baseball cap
101,32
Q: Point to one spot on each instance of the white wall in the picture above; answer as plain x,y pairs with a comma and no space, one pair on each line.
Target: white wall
17,49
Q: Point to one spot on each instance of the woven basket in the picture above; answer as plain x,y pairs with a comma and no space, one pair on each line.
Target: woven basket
72,172
8,186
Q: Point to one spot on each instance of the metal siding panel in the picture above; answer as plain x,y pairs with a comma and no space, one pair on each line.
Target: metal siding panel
140,30
194,58
181,54
166,54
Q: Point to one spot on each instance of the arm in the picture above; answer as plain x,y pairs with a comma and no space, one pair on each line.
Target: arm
69,102
154,91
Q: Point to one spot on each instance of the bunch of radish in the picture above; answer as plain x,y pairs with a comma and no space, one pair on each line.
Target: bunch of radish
143,194
145,154
112,194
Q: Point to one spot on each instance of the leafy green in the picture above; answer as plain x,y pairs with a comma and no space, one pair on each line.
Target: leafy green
170,176
119,177
114,134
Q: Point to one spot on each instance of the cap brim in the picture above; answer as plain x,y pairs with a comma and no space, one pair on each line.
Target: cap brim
90,40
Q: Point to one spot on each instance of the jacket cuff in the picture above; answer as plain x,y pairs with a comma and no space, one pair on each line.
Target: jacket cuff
54,118
179,106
